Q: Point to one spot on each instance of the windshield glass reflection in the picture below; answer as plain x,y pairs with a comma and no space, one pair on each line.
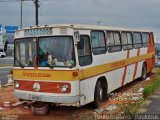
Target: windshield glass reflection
25,52
56,51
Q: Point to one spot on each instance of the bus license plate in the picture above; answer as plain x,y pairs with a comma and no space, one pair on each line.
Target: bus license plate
36,97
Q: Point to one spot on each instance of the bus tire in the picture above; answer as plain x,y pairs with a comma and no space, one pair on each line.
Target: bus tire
98,95
144,72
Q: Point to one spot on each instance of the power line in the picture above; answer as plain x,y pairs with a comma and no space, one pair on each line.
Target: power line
53,2
13,0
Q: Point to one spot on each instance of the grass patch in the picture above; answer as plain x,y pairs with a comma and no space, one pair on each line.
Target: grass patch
149,89
131,109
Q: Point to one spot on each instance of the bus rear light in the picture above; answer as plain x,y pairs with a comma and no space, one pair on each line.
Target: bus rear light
153,56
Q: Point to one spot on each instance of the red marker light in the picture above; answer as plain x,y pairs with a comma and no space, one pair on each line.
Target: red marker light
75,74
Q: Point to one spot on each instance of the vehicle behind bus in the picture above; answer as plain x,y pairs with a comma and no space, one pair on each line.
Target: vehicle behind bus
2,53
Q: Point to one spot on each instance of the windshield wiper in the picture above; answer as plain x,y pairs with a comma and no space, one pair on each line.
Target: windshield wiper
19,63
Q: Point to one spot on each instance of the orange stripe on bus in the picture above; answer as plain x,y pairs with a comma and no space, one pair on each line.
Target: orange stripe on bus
150,62
136,65
125,70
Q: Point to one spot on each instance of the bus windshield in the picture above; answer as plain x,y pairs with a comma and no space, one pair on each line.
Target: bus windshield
25,51
56,52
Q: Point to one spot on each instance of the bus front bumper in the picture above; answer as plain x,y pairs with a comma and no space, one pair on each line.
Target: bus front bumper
46,98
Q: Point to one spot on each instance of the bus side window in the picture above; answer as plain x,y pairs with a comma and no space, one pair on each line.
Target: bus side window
113,41
98,42
126,40
145,39
84,51
137,39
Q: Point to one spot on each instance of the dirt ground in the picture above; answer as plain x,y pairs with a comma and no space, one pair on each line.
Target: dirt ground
115,105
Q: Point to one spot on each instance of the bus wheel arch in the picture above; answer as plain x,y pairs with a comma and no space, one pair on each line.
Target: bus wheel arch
100,92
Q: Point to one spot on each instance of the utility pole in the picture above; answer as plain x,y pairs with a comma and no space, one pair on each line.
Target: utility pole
21,14
36,10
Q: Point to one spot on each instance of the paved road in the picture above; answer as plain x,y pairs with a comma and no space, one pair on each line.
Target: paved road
151,107
7,61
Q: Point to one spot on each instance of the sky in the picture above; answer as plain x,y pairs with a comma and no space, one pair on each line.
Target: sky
143,14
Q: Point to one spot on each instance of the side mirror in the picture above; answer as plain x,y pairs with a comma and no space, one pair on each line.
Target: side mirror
81,44
77,36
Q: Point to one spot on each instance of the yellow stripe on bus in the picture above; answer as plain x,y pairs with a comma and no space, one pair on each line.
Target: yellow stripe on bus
93,71
61,75
67,75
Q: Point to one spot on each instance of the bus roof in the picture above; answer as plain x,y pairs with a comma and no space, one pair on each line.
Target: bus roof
88,27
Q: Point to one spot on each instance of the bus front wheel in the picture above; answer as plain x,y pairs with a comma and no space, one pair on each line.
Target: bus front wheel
99,95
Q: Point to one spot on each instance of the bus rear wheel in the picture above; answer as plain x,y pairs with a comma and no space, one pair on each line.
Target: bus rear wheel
100,95
144,72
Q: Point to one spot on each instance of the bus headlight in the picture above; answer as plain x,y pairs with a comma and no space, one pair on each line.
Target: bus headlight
17,85
64,88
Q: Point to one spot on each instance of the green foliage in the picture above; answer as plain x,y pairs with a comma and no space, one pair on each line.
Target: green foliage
149,89
131,109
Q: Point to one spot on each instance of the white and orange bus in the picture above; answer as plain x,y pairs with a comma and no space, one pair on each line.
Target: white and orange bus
79,64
